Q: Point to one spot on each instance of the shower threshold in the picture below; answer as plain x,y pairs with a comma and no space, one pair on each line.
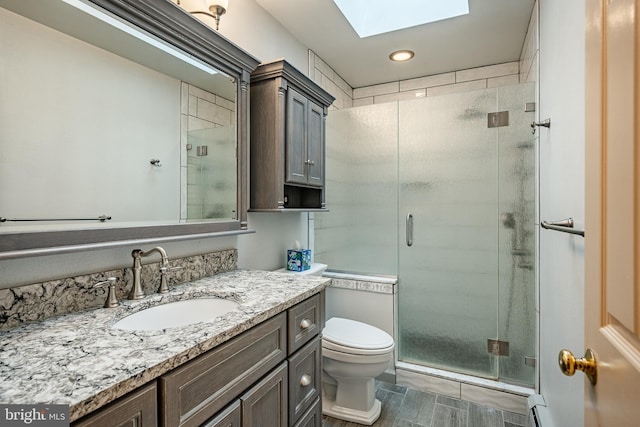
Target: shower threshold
500,395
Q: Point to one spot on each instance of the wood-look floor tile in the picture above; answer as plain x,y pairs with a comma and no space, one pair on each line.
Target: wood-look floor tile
484,416
406,407
454,403
515,419
417,407
391,406
447,416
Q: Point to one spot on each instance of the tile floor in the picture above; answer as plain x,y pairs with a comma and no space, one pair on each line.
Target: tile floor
405,407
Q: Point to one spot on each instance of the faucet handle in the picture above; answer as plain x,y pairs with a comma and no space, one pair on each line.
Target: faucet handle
112,300
164,287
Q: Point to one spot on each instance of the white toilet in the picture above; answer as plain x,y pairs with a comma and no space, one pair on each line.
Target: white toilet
353,354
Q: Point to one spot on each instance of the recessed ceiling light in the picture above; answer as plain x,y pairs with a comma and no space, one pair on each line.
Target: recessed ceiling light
401,55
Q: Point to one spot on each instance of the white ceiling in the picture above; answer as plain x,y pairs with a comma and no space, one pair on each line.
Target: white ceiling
493,32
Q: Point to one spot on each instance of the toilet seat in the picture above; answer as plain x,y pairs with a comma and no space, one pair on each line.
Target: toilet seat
353,337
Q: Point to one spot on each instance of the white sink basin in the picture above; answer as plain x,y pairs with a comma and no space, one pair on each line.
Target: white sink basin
175,314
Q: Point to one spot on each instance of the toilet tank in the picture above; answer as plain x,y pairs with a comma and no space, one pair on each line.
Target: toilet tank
367,299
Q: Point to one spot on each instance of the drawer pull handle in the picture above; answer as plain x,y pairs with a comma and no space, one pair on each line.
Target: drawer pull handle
305,324
305,380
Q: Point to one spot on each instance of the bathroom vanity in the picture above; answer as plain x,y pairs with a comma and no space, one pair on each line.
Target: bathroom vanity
259,361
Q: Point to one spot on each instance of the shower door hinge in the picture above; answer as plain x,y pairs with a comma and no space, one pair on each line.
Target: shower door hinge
499,119
202,150
530,361
497,347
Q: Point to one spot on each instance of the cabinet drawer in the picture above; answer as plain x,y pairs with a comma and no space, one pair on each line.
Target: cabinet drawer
196,391
306,320
139,408
304,379
313,417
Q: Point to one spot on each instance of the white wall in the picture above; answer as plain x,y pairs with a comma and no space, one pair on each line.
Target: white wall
562,195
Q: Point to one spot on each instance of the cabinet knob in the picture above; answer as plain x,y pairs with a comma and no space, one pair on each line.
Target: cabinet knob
305,324
310,162
305,380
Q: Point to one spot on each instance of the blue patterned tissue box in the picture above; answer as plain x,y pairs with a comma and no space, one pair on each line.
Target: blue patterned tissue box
298,259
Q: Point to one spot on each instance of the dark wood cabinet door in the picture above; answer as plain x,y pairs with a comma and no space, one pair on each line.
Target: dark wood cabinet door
296,137
265,404
304,379
315,145
137,409
313,416
201,388
229,417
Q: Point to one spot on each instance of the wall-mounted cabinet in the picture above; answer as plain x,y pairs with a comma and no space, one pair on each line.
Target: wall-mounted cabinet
288,113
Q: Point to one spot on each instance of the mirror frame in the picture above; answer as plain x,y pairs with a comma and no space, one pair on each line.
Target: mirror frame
168,22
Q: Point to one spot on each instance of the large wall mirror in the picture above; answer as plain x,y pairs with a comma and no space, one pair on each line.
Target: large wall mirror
120,121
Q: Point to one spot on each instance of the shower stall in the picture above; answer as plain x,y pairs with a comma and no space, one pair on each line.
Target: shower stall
440,191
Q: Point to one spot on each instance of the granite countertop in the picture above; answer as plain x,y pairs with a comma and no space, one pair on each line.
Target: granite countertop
80,360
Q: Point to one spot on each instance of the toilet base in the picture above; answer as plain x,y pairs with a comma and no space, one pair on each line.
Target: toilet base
330,409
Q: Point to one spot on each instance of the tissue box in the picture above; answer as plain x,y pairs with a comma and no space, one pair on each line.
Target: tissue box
298,259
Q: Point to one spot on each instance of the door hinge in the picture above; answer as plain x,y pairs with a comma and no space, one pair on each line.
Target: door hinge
202,150
499,119
497,347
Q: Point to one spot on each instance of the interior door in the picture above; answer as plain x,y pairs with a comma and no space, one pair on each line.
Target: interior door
612,222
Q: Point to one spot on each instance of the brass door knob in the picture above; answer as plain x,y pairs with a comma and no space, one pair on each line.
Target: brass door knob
569,364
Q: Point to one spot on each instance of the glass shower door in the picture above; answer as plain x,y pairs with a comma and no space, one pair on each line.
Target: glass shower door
448,257
467,245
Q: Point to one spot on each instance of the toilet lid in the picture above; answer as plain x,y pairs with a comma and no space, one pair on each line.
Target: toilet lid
347,334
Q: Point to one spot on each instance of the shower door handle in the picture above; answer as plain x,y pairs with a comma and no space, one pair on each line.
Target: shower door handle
409,229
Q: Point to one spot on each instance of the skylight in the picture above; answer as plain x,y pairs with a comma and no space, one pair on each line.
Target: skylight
371,17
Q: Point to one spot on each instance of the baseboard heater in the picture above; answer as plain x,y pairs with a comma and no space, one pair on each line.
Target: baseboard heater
539,415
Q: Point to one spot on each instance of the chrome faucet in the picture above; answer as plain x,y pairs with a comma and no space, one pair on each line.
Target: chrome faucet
137,254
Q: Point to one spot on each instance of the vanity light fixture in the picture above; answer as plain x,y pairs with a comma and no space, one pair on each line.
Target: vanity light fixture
206,8
401,55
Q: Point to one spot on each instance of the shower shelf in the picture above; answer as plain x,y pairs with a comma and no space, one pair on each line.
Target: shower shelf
565,226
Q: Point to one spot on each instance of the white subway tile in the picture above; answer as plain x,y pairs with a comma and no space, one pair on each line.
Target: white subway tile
317,76
226,103
428,383
346,88
193,105
184,98
196,91
457,87
428,81
358,102
495,398
324,68
213,113
381,89
400,96
487,72
513,79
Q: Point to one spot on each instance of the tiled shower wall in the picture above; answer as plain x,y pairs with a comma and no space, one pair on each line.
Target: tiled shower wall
199,110
506,74
530,50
